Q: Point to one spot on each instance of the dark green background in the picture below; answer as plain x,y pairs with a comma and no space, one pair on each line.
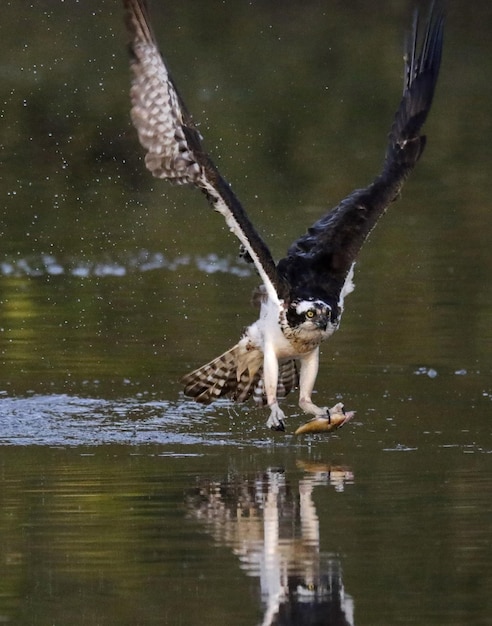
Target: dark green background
110,290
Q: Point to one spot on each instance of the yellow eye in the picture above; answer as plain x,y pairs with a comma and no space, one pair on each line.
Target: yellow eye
310,314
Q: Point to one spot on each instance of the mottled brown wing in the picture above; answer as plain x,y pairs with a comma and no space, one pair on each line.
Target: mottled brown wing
158,113
174,145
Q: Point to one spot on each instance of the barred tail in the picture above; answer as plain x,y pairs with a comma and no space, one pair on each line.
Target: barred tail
233,374
237,374
288,379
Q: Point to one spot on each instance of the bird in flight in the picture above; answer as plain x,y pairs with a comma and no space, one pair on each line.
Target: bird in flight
301,298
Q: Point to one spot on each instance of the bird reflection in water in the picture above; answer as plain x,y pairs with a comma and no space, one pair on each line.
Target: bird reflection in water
271,525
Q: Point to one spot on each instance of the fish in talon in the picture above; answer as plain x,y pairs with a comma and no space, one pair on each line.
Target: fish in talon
335,419
301,298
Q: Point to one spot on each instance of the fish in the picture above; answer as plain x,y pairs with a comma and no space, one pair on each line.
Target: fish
337,418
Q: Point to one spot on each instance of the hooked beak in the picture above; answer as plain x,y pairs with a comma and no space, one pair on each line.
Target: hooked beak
322,322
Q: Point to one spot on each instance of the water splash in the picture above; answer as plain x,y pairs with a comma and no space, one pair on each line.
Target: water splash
120,265
73,420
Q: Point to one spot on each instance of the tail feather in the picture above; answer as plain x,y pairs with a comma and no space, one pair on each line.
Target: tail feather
233,374
237,374
288,379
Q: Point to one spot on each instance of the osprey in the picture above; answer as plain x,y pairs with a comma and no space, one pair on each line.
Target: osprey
302,296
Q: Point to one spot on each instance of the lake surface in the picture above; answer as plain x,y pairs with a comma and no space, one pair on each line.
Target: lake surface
121,501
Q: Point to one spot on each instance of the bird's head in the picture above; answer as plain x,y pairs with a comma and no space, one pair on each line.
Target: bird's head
311,315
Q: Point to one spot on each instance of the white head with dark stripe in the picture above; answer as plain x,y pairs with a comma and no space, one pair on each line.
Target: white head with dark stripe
312,316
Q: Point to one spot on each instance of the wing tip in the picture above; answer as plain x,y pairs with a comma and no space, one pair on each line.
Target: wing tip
137,22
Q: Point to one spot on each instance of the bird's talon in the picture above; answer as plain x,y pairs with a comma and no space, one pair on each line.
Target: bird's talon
289,325
280,427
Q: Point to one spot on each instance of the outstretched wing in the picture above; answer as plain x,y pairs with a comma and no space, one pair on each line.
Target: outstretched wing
323,257
174,145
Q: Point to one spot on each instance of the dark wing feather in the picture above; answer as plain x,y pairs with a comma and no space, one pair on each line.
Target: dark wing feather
323,257
174,145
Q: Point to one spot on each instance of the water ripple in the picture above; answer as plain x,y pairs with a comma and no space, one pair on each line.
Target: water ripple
66,420
121,265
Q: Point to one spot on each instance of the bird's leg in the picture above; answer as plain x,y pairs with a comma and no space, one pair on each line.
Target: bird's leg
270,376
307,378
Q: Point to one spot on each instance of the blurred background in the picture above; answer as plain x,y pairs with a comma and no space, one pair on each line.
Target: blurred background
113,284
